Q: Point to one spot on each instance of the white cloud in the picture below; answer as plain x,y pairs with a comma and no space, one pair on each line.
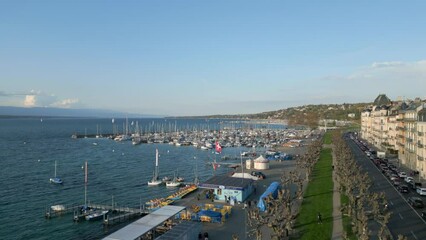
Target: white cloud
41,99
30,101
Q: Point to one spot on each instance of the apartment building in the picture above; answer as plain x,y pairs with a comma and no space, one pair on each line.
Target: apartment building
397,127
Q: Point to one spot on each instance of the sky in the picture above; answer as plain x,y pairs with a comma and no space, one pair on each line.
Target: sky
201,57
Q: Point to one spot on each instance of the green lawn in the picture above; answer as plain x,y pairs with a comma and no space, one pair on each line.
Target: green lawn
327,137
318,198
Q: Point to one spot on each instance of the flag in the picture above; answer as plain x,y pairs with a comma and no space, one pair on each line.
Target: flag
218,147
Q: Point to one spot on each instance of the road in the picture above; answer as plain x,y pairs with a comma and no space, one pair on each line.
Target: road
404,220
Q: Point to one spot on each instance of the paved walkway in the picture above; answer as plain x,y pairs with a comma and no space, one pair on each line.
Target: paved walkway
337,214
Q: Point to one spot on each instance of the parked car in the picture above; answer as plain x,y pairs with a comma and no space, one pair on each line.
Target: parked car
409,179
393,177
402,174
258,174
415,202
421,191
415,185
403,188
396,182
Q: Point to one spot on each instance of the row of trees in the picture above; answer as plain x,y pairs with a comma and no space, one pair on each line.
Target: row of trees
282,211
363,204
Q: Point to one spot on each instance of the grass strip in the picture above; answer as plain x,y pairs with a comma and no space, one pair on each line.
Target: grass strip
327,137
318,198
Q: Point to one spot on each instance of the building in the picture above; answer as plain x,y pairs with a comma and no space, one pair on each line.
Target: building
238,188
399,128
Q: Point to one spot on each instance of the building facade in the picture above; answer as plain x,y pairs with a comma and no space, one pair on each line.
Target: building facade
398,128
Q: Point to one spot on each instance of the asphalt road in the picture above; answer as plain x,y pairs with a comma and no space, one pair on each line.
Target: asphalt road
405,219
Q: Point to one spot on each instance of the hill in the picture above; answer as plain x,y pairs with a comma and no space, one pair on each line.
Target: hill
306,115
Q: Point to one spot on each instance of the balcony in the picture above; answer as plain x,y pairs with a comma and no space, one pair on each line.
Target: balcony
420,134
420,158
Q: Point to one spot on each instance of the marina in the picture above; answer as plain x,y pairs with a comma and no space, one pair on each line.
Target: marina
118,169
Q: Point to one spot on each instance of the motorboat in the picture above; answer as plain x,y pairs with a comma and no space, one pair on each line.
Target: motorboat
58,208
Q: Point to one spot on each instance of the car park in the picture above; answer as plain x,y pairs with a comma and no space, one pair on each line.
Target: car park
415,202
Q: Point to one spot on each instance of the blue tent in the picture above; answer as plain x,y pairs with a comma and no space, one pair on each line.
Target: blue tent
272,189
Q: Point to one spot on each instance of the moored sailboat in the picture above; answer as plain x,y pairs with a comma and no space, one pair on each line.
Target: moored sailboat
56,179
155,181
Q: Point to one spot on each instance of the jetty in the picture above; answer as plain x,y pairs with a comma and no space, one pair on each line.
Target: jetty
80,211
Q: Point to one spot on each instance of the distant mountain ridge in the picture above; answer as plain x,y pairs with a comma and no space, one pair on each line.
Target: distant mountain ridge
66,112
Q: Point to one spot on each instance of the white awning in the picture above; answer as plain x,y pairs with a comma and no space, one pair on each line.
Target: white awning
145,224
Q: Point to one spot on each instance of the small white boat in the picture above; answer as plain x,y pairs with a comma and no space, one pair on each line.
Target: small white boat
96,215
173,183
58,208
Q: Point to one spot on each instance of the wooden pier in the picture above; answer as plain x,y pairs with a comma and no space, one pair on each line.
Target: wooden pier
121,214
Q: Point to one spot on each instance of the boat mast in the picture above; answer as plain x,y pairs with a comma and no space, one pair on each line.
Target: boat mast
156,164
85,184
55,168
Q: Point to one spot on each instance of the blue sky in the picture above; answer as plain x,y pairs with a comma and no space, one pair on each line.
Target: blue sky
209,57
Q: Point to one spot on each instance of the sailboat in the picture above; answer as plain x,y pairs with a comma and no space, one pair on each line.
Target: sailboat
56,179
173,183
155,181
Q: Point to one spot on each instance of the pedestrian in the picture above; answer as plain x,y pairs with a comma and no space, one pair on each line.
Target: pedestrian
319,218
198,197
200,236
226,199
249,204
206,236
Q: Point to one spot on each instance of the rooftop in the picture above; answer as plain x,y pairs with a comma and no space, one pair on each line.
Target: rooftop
226,182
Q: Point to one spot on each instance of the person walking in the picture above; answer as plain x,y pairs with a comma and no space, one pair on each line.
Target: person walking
319,218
